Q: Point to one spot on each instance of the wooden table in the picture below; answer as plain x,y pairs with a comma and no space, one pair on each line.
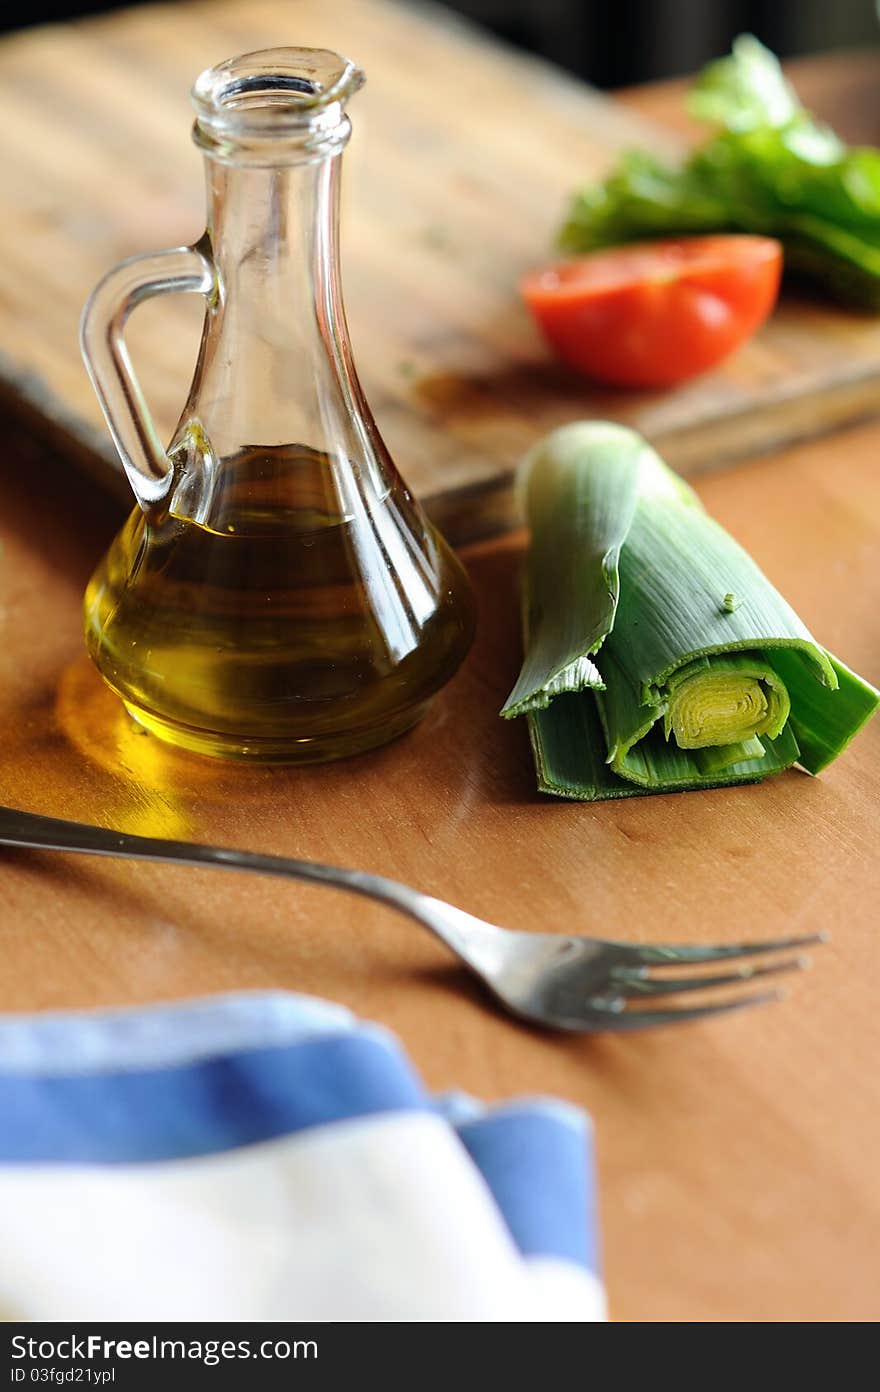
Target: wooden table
739,1176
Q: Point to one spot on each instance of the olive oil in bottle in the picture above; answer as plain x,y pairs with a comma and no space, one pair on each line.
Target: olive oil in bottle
291,624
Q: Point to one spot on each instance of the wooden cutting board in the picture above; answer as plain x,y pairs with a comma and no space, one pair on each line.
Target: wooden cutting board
463,157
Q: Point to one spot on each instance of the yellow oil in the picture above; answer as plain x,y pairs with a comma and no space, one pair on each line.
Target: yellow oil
301,618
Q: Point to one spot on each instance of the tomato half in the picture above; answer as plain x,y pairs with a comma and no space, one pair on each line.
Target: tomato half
655,313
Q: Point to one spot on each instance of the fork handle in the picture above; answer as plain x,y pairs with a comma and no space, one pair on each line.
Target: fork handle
32,831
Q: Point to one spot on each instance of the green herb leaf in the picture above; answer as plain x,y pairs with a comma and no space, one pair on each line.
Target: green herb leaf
771,169
744,90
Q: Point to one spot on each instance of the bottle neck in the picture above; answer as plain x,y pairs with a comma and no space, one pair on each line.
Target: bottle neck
273,232
275,366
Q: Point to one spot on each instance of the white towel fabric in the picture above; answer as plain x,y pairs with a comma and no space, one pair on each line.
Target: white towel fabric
264,1156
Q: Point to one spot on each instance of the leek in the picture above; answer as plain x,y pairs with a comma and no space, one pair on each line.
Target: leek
658,656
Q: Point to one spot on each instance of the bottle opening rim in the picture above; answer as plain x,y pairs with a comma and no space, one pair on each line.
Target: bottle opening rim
282,91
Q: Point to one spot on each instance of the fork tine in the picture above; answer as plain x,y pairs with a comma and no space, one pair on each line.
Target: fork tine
651,955
627,983
601,1018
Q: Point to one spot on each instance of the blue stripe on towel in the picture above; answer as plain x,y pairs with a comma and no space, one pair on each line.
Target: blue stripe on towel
201,1108
536,1158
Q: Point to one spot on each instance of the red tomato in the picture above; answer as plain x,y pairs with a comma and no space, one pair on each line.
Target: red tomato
655,313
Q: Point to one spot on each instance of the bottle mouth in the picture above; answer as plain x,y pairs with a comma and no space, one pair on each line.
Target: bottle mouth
299,93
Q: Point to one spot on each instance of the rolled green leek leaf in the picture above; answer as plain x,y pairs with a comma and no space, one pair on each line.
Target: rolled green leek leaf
658,656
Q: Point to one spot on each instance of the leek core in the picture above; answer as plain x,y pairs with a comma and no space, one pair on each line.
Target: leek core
725,703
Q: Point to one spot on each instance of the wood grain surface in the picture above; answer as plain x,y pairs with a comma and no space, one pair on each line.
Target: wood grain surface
463,159
738,1168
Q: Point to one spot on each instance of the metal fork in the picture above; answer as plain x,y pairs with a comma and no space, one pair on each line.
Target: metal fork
551,979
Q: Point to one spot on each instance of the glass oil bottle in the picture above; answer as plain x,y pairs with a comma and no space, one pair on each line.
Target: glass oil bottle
277,593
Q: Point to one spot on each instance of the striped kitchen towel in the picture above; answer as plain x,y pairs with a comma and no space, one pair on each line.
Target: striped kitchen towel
266,1156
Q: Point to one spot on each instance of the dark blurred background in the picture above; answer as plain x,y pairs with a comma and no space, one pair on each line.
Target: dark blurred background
614,42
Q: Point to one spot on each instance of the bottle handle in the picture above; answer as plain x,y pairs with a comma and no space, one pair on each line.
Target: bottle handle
182,270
